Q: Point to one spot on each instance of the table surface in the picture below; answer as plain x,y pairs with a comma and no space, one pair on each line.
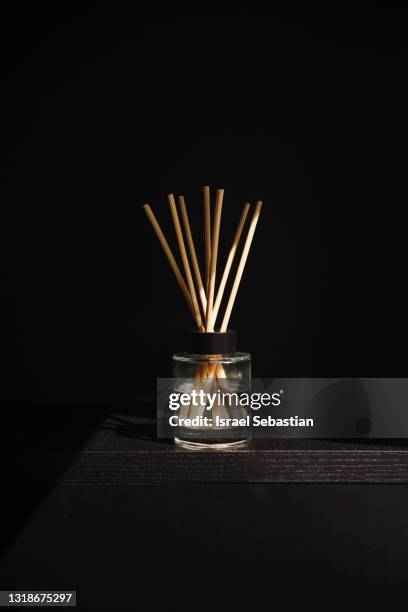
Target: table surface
124,449
99,494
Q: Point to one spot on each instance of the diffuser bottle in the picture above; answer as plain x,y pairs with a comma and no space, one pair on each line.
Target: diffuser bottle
211,377
214,379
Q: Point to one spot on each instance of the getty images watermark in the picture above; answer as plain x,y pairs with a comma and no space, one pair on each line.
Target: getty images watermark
289,407
199,401
229,408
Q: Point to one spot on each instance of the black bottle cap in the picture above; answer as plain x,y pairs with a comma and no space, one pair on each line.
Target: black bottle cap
211,343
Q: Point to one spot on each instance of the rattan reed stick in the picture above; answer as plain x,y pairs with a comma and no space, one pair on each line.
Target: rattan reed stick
229,263
169,255
184,259
207,236
193,256
214,254
241,267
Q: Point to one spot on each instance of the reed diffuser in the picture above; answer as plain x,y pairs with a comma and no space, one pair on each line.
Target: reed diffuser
211,368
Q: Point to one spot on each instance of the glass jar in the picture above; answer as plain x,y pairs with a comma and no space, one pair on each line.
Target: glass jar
214,413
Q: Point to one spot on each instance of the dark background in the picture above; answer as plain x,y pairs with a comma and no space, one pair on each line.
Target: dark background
106,109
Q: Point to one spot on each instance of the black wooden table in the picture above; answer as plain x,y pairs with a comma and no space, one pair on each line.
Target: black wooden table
135,458
124,518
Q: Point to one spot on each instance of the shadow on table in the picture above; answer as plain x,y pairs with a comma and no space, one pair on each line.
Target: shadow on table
135,423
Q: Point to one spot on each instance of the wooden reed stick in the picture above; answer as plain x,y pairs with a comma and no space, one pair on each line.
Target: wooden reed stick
229,263
241,267
169,256
190,242
220,372
214,254
212,368
184,259
207,236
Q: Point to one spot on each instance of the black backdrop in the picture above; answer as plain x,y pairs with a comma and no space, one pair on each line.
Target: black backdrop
105,110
